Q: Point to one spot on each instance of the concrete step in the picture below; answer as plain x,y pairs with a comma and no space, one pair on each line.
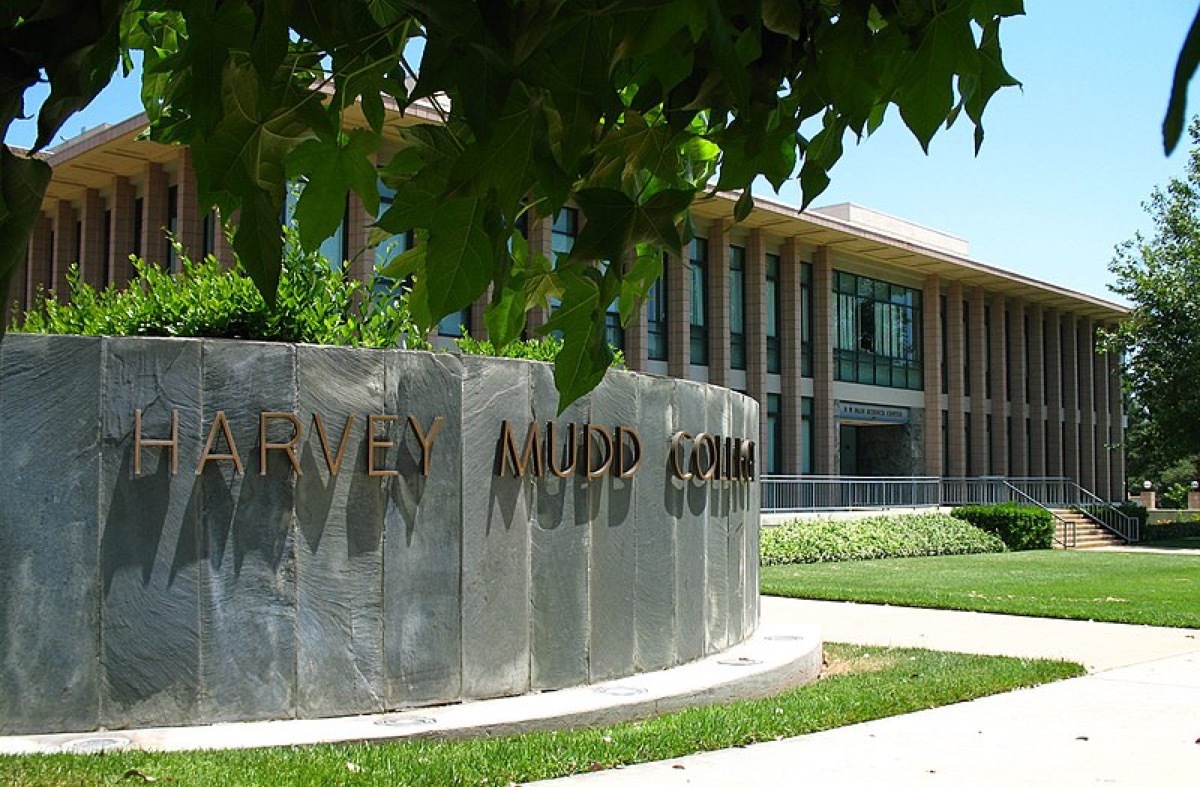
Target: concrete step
1088,534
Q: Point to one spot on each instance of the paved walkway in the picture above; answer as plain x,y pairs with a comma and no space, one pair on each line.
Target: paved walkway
1134,720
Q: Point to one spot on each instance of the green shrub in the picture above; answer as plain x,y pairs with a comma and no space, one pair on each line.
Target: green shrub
1134,509
1018,526
901,535
544,349
1172,528
316,304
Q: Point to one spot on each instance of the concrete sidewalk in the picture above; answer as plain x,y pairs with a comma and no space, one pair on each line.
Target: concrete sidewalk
1135,720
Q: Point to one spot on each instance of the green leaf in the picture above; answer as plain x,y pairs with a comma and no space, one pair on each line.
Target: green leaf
1185,68
23,184
259,243
332,168
458,262
744,205
782,16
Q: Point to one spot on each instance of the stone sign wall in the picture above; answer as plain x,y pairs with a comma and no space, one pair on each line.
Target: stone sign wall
200,531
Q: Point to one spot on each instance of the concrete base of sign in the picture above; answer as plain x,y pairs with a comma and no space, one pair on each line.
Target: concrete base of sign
224,571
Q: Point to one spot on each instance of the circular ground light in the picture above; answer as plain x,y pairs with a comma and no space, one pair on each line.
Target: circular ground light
407,721
96,745
742,662
619,691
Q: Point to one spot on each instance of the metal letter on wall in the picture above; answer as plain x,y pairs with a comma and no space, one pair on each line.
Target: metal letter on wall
208,456
288,448
334,463
138,442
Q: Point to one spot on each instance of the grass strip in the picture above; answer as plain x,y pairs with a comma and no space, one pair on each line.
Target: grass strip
1117,587
861,683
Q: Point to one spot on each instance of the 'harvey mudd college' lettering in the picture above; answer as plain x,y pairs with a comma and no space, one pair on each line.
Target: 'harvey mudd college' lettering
584,449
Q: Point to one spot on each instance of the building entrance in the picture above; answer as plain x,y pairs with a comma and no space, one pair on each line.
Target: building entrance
875,450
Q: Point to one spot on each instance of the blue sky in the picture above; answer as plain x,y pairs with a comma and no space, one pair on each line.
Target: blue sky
1066,163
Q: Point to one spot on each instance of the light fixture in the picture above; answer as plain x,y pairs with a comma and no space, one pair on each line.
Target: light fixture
1147,485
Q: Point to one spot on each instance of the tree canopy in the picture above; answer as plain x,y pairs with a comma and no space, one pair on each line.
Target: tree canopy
1160,276
628,109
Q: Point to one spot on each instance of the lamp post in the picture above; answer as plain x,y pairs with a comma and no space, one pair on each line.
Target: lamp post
1193,501
1148,494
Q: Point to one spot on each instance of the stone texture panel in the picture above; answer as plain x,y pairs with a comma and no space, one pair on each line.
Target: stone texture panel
150,534
50,439
496,515
248,597
559,547
339,535
656,500
690,499
423,557
612,567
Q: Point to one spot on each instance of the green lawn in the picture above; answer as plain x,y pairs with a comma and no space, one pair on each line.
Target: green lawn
863,683
1156,589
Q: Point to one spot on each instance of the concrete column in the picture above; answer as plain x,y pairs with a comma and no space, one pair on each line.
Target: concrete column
1116,425
956,399
154,214
978,373
1018,375
678,275
791,316
190,217
1070,367
718,303
40,259
16,300
222,246
1036,363
756,322
998,369
360,255
120,239
636,335
478,325
66,246
541,239
824,437
1087,405
1103,441
931,336
1055,464
91,241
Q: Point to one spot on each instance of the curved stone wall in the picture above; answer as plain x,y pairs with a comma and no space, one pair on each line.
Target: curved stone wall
383,558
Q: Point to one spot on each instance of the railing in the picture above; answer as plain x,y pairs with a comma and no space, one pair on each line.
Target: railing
788,494
1108,515
793,493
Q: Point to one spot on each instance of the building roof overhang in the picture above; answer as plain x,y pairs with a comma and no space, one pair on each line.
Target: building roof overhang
93,159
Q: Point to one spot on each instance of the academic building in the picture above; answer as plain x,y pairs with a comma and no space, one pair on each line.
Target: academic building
874,347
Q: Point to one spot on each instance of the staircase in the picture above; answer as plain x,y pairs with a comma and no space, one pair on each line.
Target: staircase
1088,534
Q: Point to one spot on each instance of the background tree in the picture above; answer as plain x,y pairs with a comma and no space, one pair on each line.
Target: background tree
629,109
1160,276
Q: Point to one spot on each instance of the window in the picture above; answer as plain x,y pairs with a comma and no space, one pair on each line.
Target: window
208,233
806,319
698,334
138,221
106,250
774,434
656,318
737,307
966,367
945,344
172,227
335,248
806,441
772,326
877,341
563,232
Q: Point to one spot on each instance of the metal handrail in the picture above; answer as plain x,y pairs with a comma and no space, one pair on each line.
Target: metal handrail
1070,532
1107,515
794,493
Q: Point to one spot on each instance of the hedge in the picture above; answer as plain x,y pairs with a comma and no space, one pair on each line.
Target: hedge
1020,527
899,535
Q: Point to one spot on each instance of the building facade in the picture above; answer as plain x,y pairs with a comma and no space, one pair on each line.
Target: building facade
874,347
